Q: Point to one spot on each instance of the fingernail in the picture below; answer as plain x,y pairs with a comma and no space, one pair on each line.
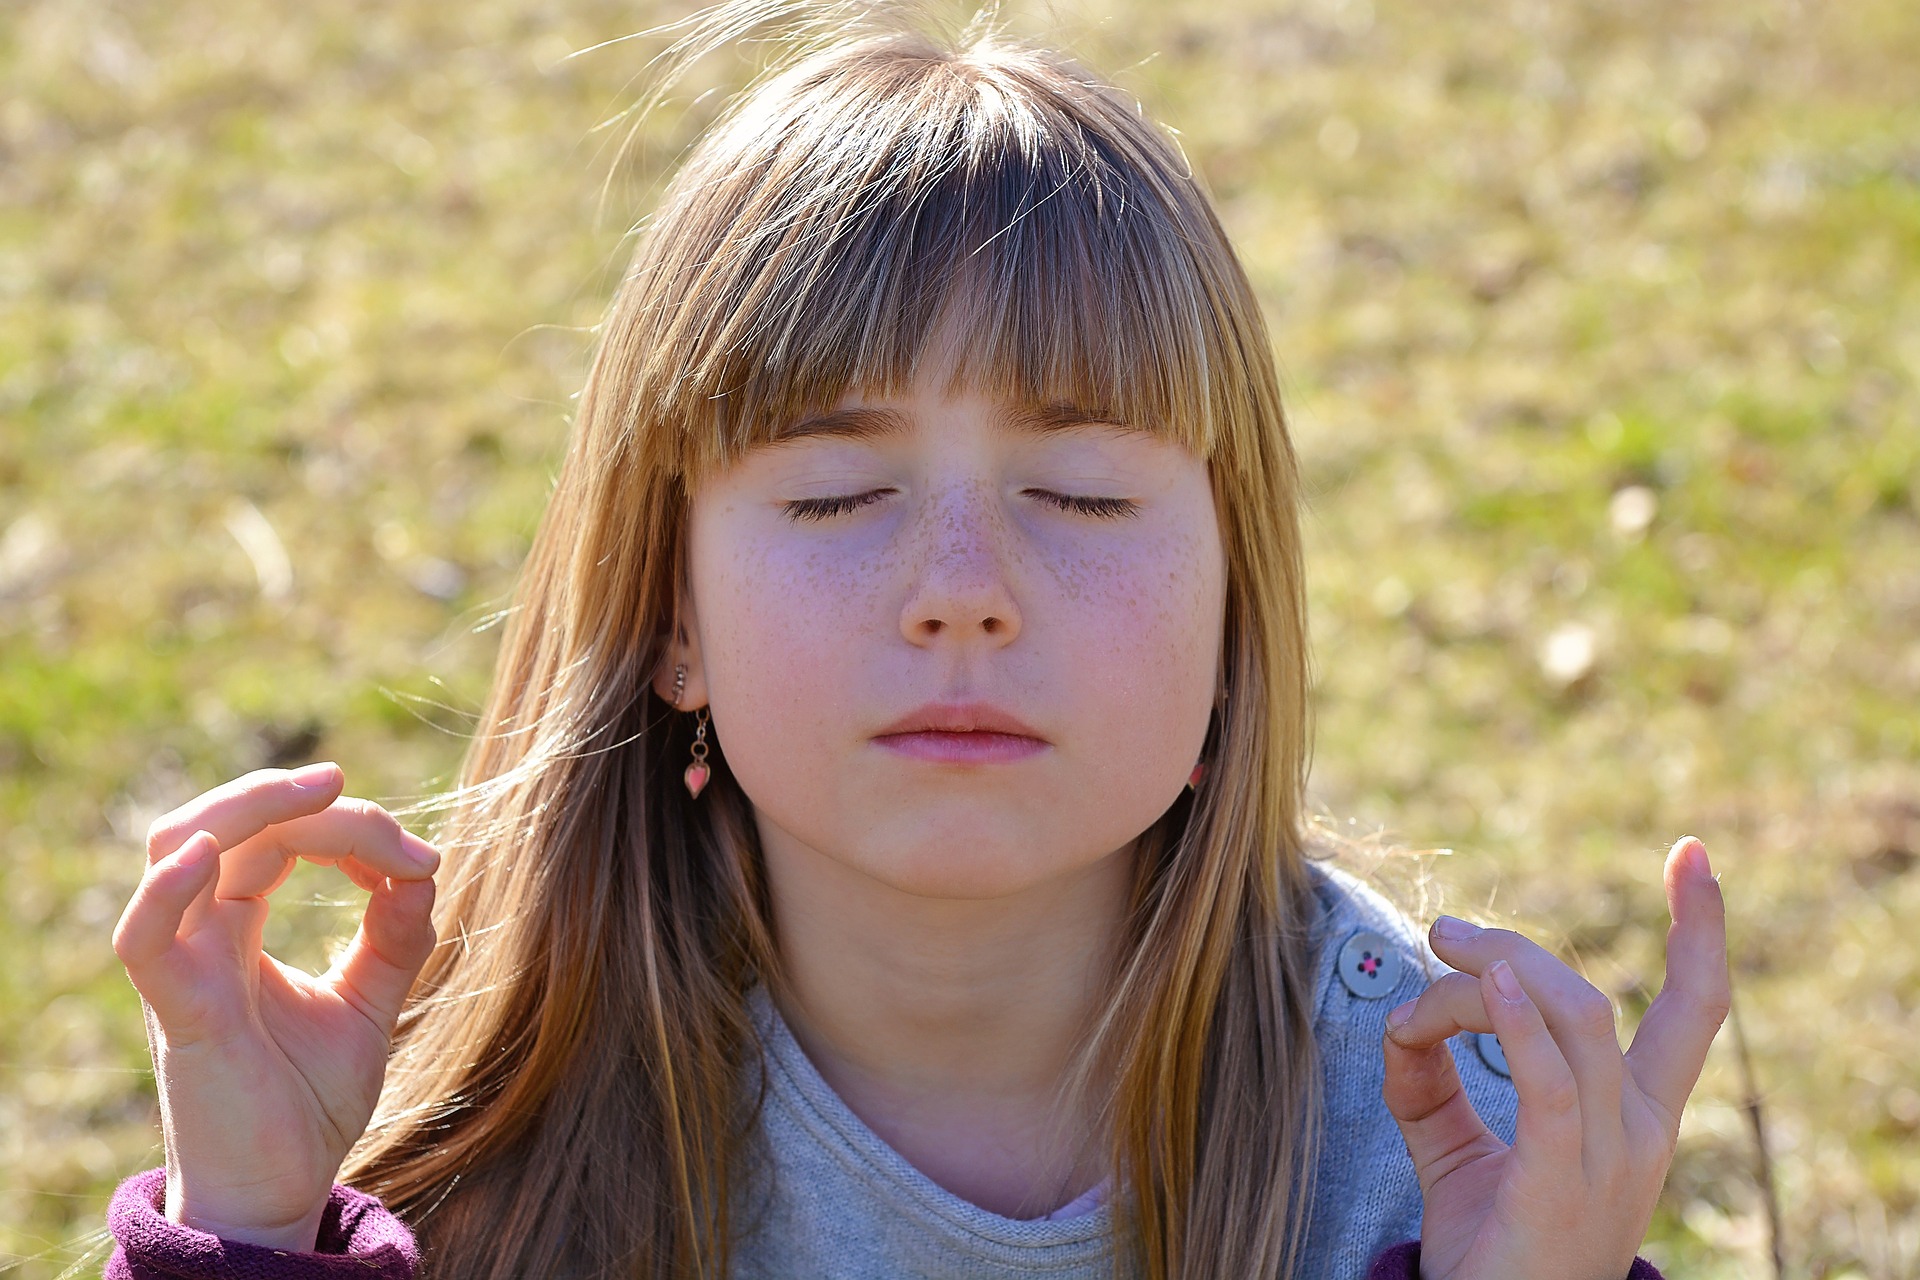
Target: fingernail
195,850
1400,1015
1455,928
1696,857
316,777
1505,983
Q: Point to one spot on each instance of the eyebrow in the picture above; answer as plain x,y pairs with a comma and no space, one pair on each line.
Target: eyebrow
845,424
865,424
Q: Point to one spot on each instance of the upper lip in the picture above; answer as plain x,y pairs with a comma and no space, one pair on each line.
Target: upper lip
961,717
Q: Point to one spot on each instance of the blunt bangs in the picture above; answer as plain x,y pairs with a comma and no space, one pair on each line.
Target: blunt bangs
864,201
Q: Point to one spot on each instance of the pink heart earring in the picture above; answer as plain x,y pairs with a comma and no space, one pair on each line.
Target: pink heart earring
698,772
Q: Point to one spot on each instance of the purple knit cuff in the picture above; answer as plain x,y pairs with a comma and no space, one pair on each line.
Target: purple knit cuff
358,1238
1402,1262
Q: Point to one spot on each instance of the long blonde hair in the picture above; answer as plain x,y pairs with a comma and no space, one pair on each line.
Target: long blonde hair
565,1096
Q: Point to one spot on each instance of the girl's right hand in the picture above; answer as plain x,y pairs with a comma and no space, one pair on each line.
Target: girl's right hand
268,1075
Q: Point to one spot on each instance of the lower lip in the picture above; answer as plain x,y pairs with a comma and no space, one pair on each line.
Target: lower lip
962,748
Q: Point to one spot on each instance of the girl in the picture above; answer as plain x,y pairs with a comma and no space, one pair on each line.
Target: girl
883,852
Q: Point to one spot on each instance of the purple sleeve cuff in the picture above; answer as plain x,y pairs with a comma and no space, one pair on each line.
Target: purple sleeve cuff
358,1238
1402,1262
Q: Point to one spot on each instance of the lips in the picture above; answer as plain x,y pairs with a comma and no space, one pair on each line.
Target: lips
951,718
961,733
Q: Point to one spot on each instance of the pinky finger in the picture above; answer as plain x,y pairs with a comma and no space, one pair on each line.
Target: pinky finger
145,936
1548,1129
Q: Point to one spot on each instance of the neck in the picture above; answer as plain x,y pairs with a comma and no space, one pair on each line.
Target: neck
947,1025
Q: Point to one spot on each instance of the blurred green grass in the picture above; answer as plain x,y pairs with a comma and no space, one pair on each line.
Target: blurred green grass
1601,326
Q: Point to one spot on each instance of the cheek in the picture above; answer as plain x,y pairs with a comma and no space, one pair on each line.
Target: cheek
781,627
1149,628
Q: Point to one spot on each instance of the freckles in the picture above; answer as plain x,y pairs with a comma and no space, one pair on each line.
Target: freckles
1156,587
836,584
1174,607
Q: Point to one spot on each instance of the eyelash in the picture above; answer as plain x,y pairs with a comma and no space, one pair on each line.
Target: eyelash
827,508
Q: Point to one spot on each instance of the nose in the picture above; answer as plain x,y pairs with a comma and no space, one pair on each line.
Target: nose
960,586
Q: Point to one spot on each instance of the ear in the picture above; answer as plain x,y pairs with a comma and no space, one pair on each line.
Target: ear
683,649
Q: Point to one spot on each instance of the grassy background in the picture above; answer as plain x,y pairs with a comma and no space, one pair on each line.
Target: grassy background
1601,323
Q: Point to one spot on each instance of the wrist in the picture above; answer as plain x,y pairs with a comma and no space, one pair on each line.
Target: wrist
299,1235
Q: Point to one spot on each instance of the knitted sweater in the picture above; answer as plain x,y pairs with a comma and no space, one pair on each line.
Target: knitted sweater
840,1203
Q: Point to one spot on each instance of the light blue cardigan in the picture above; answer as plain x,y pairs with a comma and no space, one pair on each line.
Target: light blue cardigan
842,1205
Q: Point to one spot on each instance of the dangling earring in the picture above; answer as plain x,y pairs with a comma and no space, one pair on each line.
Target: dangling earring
697,772
1200,769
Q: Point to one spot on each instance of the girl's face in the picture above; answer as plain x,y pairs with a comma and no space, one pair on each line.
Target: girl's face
938,549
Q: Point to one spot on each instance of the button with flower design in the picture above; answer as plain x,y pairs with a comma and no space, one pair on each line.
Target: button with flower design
1369,965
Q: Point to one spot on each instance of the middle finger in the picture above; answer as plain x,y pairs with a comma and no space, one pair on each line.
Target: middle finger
1579,1016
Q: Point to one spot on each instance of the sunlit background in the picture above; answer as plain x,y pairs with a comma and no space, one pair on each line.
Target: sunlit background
1601,327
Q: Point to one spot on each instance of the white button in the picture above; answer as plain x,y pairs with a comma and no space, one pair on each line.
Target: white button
1491,1053
1370,966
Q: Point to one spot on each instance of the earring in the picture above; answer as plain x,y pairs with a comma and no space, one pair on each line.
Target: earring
1200,769
679,681
697,772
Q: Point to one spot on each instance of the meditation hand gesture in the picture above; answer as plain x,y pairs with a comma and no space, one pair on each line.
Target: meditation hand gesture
1572,1197
267,1075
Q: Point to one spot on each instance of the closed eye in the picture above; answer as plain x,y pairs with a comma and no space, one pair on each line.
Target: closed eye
827,508
1105,508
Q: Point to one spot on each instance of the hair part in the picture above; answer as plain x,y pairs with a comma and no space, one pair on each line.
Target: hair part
566,1092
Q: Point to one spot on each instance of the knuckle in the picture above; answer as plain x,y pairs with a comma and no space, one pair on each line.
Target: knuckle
368,813
121,944
1560,1096
283,848
1717,1001
162,835
125,928
1710,1004
1591,1014
271,788
274,789
362,809
425,939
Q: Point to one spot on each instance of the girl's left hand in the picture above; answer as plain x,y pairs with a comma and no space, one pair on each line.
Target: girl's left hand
1572,1197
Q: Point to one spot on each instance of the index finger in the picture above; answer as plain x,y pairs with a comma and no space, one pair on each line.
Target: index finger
245,806
1671,1046
366,841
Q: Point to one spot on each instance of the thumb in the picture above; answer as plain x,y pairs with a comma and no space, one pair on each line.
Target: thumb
394,940
146,939
1423,1093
